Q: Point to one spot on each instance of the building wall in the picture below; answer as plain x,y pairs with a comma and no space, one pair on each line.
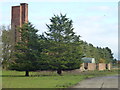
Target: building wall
109,66
101,66
94,66
91,66
88,66
82,67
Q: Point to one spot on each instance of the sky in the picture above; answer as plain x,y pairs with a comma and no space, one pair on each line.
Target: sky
96,21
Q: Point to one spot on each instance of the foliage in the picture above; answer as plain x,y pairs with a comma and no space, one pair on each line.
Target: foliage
0,46
57,49
101,60
96,52
114,62
63,53
61,29
7,46
26,52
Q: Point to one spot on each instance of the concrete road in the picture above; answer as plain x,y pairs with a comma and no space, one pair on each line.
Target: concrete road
99,82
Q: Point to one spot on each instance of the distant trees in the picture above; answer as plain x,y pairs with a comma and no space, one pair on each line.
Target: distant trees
100,54
115,62
0,47
7,46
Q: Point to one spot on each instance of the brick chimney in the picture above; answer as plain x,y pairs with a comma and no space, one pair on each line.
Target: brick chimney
19,17
24,13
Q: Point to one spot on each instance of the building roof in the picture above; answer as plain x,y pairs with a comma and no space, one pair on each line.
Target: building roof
88,60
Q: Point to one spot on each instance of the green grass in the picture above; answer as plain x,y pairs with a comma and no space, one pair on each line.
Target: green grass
16,79
0,78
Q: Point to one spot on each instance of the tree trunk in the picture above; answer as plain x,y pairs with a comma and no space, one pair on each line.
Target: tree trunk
27,73
59,71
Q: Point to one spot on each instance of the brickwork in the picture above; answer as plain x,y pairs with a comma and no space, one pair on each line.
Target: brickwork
82,67
101,66
91,66
109,66
24,13
86,66
94,66
19,17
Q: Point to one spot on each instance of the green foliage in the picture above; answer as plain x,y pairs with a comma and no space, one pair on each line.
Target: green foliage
57,49
61,29
7,46
63,52
26,50
96,52
0,46
101,60
114,62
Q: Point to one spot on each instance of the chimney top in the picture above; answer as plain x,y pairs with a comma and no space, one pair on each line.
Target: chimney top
23,4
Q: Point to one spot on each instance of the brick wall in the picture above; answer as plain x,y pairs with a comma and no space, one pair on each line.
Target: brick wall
101,66
91,66
94,66
82,67
109,66
88,66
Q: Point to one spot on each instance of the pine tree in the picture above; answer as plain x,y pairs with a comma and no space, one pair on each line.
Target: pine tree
26,50
63,52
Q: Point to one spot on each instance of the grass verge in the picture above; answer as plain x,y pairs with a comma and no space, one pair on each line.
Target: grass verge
44,79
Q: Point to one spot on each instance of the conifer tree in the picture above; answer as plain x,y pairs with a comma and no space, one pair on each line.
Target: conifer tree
26,50
63,53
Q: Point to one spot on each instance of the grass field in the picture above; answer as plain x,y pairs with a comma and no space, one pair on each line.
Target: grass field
44,79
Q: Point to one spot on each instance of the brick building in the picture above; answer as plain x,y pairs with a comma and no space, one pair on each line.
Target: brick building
19,17
89,64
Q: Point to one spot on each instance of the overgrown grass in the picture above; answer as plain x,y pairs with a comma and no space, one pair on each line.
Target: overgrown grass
44,79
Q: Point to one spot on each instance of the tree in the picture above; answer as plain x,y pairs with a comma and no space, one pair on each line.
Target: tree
26,50
100,54
0,46
108,55
7,46
63,53
114,62
101,60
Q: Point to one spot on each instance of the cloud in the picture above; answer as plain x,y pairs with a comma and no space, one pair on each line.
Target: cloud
98,31
95,28
102,8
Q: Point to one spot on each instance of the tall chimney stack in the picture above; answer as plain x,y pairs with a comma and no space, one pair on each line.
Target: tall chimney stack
19,17
24,13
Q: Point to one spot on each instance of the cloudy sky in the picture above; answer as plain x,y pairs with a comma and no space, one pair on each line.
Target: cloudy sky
95,21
